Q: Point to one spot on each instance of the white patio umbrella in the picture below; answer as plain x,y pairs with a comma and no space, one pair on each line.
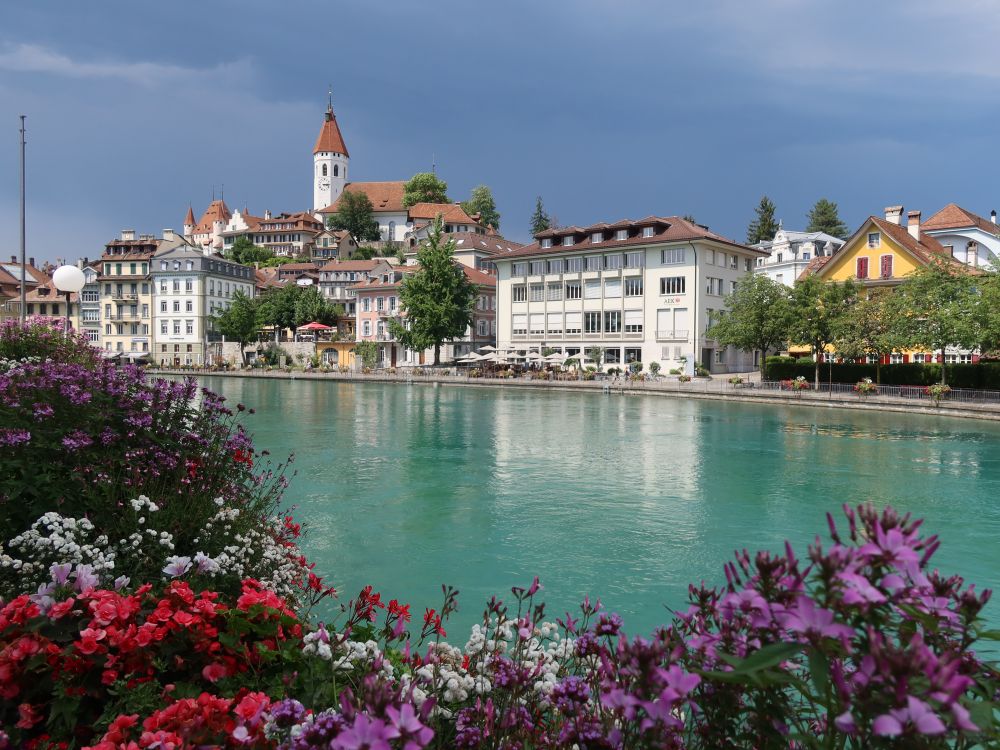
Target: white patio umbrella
556,358
488,348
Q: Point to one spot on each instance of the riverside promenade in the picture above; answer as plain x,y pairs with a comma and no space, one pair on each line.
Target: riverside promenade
963,404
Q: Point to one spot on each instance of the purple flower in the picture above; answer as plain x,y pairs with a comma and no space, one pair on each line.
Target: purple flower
365,734
84,578
845,723
60,573
10,436
121,582
411,730
809,620
177,566
917,713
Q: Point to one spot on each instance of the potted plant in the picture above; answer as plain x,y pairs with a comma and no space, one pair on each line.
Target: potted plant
684,378
798,384
937,392
735,381
865,387
654,370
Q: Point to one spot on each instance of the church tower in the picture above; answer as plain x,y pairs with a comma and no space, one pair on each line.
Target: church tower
330,159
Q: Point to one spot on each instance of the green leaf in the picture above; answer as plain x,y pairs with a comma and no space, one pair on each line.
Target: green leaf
766,657
983,714
819,668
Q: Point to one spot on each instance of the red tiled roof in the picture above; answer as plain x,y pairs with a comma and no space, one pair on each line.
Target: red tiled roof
330,138
452,213
385,196
216,211
189,218
350,265
666,229
954,216
491,244
478,277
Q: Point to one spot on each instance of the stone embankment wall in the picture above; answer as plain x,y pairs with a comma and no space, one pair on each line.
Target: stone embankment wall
231,350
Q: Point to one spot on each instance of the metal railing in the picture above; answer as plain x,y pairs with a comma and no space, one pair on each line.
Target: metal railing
916,392
675,335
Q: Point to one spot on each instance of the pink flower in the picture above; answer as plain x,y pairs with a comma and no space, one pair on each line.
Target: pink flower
213,672
809,620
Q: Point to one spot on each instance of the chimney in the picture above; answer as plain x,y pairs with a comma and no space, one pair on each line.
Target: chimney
31,262
267,214
913,224
168,234
993,216
128,235
894,215
13,259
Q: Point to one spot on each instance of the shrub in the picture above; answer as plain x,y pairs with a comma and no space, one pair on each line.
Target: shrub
674,371
865,387
684,378
40,340
779,368
735,380
654,369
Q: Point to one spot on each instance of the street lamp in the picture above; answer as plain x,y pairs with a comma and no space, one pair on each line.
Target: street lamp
68,279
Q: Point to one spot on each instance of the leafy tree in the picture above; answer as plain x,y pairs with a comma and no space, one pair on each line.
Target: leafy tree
763,227
355,213
438,299
868,330
367,352
823,217
540,220
241,321
937,306
312,306
816,309
987,289
757,317
245,252
278,260
425,187
481,202
278,308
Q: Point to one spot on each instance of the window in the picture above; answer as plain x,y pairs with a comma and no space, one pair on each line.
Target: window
520,269
107,329
574,265
555,292
573,322
594,262
177,305
633,355
633,286
177,286
366,304
188,306
567,240
895,359
537,267
613,288
713,286
555,323
612,356
519,325
886,266
612,262
188,327
324,170
633,321
537,324
177,327
874,239
672,255
921,358
647,231
547,242
965,359
189,265
188,286
634,260
519,293
572,290
721,260
379,304
621,234
336,170
107,310
556,266
593,289
592,322
537,292
748,264
733,285
366,328
392,304
612,321
862,268
710,257
597,237
720,356
672,285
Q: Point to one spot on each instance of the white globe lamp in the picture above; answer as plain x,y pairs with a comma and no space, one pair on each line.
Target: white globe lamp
68,279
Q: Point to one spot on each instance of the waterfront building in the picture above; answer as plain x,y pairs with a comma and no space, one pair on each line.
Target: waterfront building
881,254
207,233
969,238
47,301
378,302
789,253
642,290
190,289
338,277
472,249
126,295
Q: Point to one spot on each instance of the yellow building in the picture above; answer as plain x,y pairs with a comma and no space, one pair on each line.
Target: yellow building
127,296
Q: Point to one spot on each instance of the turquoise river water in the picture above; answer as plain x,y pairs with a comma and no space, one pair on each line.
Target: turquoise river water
627,498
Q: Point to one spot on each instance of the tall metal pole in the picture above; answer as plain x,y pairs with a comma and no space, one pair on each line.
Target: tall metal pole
24,307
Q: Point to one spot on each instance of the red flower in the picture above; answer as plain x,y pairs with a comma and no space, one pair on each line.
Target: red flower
401,611
29,716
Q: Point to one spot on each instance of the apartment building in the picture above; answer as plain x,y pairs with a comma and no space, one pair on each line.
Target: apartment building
190,289
642,290
126,295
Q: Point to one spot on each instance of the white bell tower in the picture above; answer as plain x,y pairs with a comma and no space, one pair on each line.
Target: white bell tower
330,160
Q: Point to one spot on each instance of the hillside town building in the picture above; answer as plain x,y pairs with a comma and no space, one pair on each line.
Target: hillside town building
789,253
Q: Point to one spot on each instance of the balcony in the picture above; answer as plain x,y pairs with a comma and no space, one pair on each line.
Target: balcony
675,335
126,316
124,296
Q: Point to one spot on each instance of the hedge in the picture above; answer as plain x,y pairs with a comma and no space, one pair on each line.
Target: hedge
982,376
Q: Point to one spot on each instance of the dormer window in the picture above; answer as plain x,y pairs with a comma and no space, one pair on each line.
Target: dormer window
647,231
597,237
547,242
874,239
621,234
567,240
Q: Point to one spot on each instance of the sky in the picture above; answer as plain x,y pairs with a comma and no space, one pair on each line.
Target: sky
606,109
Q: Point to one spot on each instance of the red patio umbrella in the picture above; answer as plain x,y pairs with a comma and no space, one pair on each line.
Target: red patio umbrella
314,326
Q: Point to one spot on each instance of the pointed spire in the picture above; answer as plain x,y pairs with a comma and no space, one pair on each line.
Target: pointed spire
330,139
189,219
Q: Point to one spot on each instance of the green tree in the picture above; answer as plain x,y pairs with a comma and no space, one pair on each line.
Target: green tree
481,202
277,308
756,319
245,252
868,330
241,321
763,227
816,309
425,187
355,213
310,306
987,289
367,352
278,260
823,217
937,306
540,220
437,300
